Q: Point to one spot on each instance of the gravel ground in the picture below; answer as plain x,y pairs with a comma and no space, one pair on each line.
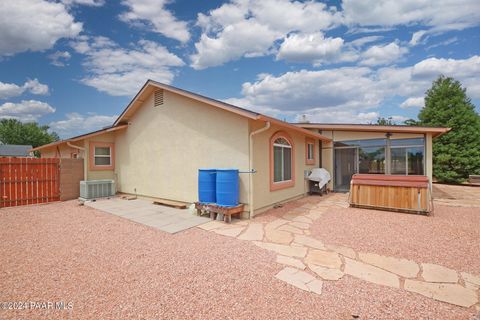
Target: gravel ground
112,268
451,237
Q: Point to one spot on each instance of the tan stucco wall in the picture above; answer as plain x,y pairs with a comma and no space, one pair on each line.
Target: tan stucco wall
98,174
263,197
160,152
327,149
64,149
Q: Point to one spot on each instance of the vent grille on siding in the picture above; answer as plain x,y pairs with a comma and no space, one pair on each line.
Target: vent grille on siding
158,99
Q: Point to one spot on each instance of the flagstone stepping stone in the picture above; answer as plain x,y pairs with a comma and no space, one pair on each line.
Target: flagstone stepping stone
275,224
300,279
315,214
308,205
326,273
211,225
402,267
230,232
253,232
309,242
290,251
289,261
303,219
446,292
292,215
300,225
277,236
289,228
435,273
370,273
315,286
324,258
470,278
344,251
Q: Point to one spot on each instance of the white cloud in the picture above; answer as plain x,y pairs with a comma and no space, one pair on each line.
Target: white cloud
413,102
382,54
119,71
35,87
416,37
465,70
244,28
34,25
59,58
303,90
352,94
9,90
312,47
154,13
336,115
360,42
439,15
92,3
240,39
26,110
76,123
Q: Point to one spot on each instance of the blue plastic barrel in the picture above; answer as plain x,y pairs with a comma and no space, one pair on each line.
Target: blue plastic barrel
207,185
227,187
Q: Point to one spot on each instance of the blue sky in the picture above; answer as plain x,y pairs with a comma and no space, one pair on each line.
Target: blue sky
75,64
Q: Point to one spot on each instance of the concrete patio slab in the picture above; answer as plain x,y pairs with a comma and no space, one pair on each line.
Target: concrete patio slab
143,211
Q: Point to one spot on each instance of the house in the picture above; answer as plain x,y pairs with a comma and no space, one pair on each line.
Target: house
374,149
166,134
15,150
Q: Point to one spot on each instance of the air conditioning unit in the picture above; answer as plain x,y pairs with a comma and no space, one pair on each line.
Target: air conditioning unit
93,189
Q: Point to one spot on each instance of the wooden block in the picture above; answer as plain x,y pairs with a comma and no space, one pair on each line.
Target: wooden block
170,203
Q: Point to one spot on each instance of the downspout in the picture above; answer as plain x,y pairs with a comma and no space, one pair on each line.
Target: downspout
84,158
250,160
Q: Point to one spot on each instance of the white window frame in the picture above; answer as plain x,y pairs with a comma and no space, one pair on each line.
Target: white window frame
109,156
282,171
310,151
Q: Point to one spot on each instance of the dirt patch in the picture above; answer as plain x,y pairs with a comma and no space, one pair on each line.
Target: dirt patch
451,237
112,268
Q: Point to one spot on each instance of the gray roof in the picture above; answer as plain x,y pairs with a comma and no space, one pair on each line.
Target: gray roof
14,150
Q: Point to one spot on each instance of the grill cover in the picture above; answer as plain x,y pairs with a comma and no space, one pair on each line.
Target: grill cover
319,175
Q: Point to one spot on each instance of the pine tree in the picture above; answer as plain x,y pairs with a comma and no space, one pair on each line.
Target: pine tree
456,154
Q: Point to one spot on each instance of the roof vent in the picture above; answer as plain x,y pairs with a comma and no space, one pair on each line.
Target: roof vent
158,99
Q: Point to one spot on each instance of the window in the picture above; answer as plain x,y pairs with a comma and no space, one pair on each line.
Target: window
281,161
309,151
371,160
407,156
101,156
378,156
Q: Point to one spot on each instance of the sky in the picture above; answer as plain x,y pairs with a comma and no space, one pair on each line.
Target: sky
75,64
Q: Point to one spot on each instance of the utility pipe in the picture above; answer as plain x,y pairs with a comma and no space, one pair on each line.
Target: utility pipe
250,164
74,146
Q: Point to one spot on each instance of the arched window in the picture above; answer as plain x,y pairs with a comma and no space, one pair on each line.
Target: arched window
282,161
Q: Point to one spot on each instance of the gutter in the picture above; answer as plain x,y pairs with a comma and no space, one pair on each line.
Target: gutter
250,164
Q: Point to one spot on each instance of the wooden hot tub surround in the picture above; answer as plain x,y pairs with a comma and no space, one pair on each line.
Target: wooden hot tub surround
391,192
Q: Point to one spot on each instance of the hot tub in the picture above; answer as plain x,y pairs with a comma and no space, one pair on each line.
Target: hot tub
391,192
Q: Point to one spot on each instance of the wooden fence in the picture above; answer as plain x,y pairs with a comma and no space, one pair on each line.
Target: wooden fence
26,181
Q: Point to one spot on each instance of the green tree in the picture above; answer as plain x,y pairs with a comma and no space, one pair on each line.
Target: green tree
15,132
381,121
456,154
